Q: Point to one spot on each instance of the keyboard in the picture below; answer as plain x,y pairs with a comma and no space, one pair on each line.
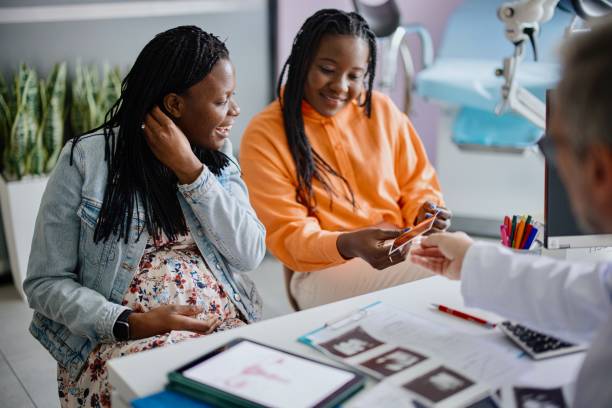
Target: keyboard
536,344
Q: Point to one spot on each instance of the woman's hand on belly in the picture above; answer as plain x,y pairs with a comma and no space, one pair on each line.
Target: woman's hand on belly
166,318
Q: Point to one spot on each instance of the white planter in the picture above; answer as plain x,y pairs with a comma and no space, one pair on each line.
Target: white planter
19,201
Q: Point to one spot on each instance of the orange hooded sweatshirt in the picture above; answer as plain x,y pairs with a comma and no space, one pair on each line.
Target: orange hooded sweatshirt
381,157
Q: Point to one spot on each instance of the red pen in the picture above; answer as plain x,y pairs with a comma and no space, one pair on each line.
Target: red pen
464,316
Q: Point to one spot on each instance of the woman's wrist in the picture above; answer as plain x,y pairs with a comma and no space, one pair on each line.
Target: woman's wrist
344,246
134,322
140,327
189,173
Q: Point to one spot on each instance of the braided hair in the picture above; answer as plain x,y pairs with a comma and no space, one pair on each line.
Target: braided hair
171,62
309,164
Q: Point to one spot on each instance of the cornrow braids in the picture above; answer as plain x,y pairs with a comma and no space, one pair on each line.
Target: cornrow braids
172,61
309,164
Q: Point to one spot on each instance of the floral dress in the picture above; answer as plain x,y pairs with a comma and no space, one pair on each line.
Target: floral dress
170,272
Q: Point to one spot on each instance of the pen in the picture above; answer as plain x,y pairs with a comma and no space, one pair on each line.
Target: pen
508,224
520,228
526,235
513,231
504,234
462,315
532,235
347,318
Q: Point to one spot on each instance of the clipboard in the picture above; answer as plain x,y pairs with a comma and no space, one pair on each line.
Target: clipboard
222,378
338,323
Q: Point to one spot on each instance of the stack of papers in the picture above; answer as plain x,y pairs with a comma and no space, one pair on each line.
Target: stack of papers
416,360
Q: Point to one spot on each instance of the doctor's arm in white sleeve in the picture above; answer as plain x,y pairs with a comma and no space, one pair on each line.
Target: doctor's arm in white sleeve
566,299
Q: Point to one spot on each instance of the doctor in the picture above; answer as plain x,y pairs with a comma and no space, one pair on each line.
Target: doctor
569,300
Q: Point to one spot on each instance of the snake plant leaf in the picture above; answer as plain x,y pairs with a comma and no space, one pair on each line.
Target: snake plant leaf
5,122
52,125
76,118
4,96
110,91
84,88
37,157
3,87
93,95
29,100
5,118
25,122
17,148
92,89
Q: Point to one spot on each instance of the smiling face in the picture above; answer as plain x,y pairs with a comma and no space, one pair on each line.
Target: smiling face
207,110
336,74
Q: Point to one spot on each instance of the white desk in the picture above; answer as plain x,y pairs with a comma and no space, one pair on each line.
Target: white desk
144,373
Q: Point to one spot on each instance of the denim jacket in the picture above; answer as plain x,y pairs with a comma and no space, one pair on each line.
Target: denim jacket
76,287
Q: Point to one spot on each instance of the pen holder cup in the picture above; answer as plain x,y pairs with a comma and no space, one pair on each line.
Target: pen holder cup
535,250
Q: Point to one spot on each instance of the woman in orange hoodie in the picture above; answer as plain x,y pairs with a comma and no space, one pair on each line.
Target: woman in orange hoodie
334,169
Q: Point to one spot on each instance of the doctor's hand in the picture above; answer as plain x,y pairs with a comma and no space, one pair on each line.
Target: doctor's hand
442,253
367,244
171,147
428,210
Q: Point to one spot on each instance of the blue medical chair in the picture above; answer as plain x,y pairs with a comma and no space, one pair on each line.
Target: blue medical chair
463,75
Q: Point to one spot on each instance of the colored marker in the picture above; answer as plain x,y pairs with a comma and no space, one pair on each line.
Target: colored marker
519,234
504,234
526,234
532,235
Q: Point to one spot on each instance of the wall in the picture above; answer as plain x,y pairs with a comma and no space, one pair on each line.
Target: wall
431,13
119,41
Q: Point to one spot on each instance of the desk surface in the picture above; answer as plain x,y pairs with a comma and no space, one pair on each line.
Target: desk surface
144,373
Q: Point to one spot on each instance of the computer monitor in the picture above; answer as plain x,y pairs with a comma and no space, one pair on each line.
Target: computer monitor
562,230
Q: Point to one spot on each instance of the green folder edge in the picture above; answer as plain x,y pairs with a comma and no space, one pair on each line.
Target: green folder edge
223,399
216,397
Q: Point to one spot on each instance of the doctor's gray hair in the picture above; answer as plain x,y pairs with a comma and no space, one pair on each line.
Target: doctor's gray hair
585,90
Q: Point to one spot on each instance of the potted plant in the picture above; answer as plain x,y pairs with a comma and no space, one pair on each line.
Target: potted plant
92,97
32,133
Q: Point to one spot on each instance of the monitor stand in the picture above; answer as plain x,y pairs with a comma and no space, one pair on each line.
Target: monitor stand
594,254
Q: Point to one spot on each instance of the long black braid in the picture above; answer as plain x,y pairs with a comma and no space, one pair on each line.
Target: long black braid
173,61
309,164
